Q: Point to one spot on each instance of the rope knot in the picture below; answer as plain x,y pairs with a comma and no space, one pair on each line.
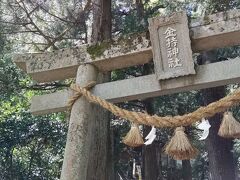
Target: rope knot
78,92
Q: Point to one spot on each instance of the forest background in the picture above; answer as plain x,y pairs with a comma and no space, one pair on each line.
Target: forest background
32,147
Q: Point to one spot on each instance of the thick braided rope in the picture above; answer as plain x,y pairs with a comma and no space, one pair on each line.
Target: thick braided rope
78,93
167,121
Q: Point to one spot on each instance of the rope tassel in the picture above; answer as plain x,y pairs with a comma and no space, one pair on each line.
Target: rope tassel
230,127
179,147
133,137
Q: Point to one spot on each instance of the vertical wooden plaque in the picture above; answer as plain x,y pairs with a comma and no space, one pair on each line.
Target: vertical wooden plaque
171,46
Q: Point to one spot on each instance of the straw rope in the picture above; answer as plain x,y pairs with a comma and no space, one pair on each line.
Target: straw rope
78,92
167,121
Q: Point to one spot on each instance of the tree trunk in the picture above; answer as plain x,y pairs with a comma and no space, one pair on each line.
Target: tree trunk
151,153
102,20
172,170
221,164
187,170
186,165
99,152
102,149
140,9
152,160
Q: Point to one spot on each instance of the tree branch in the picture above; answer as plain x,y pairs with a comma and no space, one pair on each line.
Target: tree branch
58,38
18,32
46,86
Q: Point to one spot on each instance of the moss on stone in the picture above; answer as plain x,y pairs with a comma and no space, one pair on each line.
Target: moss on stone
98,49
206,20
126,44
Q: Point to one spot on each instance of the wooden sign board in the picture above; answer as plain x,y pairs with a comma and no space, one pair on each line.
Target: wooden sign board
171,46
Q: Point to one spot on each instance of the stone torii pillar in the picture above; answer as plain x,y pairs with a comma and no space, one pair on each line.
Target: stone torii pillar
80,135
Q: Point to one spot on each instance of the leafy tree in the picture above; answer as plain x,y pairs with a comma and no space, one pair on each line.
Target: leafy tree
31,147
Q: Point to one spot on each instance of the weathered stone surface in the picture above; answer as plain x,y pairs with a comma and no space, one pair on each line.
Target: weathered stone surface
216,31
210,32
62,64
172,54
210,75
214,18
79,137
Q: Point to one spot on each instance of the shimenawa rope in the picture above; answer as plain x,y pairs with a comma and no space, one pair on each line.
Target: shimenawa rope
157,121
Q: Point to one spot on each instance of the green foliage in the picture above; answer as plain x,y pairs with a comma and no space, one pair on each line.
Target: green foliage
30,147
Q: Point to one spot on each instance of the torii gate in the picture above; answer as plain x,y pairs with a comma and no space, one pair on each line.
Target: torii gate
172,55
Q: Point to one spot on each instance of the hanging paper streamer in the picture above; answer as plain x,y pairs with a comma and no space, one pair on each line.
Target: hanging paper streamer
205,126
151,136
139,171
134,168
